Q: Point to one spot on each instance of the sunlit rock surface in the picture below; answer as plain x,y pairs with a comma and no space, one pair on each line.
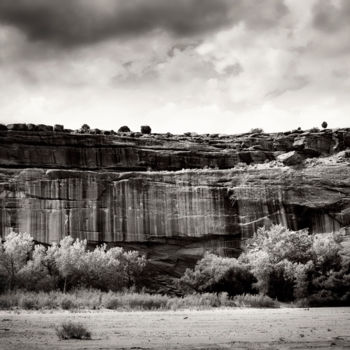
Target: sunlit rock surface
132,191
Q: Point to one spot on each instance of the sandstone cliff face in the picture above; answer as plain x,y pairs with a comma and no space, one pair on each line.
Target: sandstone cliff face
131,190
150,206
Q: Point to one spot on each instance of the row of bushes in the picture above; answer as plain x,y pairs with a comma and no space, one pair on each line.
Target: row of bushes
66,265
95,300
283,264
278,263
145,129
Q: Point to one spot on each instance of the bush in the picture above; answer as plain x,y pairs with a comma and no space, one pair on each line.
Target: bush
5,302
147,301
314,129
124,128
29,302
256,131
215,274
145,129
70,330
68,304
112,303
257,300
200,301
85,129
324,125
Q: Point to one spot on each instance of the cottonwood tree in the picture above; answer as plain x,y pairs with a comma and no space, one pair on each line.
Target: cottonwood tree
41,272
295,264
69,258
14,254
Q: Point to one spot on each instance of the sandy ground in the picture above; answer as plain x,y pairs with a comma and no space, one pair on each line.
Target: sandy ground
284,328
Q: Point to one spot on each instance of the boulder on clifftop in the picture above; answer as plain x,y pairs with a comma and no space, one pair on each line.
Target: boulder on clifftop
291,158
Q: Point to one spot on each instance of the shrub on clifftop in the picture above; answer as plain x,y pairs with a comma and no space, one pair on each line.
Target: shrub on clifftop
124,128
145,129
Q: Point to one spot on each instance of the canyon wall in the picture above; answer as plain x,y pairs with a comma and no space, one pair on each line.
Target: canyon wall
172,197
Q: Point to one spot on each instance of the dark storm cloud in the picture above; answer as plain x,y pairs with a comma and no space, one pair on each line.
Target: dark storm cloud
76,22
330,17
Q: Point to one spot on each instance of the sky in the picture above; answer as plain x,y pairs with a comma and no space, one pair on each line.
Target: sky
204,66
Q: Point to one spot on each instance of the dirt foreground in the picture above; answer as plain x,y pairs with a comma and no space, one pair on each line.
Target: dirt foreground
284,328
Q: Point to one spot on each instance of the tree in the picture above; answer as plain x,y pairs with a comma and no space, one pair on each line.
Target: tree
256,131
324,125
14,254
124,128
85,128
294,264
124,267
217,274
40,273
69,258
274,255
145,129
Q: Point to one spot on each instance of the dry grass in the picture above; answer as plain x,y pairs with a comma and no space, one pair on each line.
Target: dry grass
255,300
94,300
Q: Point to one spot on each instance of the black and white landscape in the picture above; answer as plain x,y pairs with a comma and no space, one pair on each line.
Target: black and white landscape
174,174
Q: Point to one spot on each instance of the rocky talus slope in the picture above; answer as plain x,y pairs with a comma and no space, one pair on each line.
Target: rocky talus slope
171,196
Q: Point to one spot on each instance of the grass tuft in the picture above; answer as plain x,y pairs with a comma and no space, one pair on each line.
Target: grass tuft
70,330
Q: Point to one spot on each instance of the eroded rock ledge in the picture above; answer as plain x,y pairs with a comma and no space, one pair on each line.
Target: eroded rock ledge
134,151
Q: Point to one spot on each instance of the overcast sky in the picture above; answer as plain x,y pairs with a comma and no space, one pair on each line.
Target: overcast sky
177,65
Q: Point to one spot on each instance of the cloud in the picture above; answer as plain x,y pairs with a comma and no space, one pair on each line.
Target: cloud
332,16
76,22
178,65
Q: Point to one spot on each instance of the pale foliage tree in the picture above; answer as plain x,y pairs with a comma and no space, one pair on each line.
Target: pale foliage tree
69,258
69,262
14,254
112,269
285,263
40,273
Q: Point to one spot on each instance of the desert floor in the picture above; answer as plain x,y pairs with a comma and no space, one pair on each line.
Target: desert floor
285,328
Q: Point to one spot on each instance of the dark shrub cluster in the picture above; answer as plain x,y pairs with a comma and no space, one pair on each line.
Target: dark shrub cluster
124,128
145,129
281,264
217,274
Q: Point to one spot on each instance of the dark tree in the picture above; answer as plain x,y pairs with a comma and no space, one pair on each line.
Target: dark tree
324,125
145,129
85,128
124,128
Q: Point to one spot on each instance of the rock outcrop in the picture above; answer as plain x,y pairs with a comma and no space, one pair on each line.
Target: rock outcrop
131,189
